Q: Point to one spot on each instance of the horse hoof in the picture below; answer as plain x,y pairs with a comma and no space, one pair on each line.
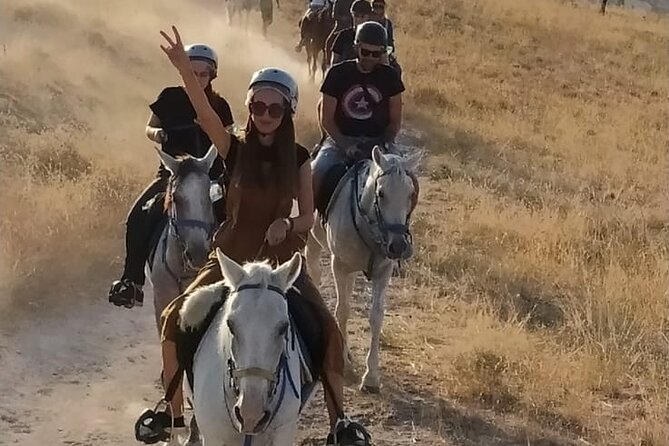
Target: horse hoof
373,390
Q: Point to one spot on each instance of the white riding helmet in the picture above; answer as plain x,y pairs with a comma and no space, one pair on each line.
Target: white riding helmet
200,51
277,80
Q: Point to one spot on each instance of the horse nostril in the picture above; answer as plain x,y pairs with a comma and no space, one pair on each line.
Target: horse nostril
397,247
238,415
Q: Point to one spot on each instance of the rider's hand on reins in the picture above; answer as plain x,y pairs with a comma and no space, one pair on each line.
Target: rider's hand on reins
175,50
276,233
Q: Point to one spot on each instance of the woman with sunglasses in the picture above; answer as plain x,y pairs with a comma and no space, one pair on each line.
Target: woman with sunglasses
267,170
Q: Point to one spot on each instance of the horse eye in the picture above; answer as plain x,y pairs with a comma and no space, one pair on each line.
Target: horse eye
283,328
231,327
382,194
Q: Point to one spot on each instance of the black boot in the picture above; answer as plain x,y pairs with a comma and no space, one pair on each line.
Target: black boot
126,293
152,427
349,433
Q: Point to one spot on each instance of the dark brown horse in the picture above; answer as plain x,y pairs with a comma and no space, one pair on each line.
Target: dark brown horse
315,29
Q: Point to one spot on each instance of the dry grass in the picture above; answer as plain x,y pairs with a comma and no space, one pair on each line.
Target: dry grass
542,263
538,289
76,80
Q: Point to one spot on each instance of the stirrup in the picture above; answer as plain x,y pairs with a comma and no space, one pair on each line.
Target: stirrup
153,425
349,433
126,293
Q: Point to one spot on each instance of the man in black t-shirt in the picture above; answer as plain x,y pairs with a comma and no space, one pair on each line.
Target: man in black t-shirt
361,104
343,47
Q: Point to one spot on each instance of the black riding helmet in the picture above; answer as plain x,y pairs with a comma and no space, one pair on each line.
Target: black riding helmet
371,33
362,7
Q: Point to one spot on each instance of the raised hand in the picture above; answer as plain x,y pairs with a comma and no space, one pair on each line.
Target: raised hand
175,50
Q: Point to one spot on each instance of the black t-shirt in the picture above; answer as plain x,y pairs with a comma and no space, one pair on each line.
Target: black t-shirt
344,44
362,98
342,8
176,114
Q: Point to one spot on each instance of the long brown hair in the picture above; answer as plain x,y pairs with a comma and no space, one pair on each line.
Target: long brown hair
282,173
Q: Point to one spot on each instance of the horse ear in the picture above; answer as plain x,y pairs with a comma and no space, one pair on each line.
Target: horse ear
288,272
232,271
208,159
377,156
170,163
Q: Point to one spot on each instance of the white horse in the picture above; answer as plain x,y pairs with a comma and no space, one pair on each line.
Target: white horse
367,229
185,241
247,370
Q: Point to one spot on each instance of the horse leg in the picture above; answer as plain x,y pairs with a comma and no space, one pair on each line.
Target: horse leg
163,294
314,62
371,381
313,254
310,58
324,62
194,434
344,288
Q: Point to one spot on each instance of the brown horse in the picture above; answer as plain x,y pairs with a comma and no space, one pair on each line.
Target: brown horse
315,29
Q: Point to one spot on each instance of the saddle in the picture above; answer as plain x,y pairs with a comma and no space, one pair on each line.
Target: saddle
333,180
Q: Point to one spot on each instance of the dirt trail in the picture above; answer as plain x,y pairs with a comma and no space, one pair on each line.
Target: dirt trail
81,377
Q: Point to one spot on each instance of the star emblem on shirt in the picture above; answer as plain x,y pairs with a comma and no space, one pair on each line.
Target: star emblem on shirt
362,104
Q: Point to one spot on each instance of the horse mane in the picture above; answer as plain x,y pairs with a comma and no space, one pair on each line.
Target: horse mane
198,303
408,159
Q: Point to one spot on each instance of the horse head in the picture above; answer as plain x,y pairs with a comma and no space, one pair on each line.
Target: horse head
388,199
254,329
188,205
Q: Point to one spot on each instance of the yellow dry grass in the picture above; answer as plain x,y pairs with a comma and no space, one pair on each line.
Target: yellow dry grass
538,289
542,264
76,79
